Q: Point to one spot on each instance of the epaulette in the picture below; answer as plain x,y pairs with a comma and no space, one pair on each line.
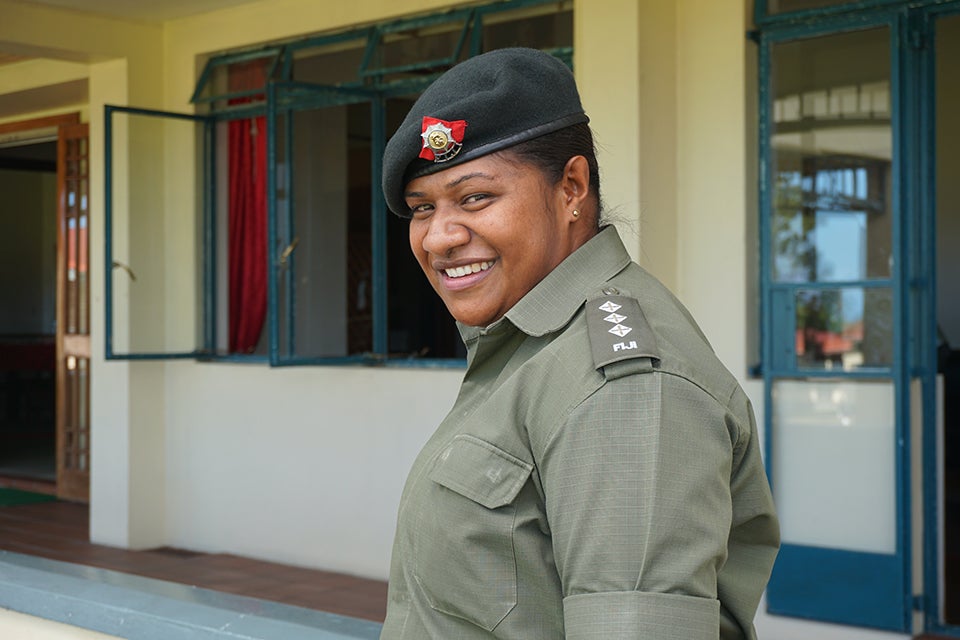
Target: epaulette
619,333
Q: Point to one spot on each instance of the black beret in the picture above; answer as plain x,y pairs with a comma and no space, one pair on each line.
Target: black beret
482,105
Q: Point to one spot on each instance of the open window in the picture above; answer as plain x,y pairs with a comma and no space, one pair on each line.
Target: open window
154,285
288,253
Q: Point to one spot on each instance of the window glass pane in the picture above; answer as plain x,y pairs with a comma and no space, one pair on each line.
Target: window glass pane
845,328
548,26
326,193
239,82
831,152
323,224
156,293
331,64
833,463
539,28
422,47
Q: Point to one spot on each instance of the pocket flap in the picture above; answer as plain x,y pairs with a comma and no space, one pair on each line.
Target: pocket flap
480,471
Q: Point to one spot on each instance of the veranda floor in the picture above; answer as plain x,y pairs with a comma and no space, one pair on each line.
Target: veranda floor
59,531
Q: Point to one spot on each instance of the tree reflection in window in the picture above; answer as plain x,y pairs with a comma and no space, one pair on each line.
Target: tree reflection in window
831,219
832,224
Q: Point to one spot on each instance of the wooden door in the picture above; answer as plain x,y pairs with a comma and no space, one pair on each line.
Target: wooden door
73,314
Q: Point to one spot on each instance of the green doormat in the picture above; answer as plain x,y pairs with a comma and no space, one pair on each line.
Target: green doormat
12,497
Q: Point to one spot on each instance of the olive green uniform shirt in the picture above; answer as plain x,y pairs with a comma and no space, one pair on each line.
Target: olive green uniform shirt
590,481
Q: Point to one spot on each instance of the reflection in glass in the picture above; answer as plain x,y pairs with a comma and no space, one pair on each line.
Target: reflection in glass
831,215
844,328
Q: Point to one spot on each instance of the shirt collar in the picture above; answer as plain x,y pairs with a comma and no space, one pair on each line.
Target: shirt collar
555,299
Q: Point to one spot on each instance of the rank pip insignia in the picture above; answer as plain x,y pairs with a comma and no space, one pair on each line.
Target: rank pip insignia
442,140
618,330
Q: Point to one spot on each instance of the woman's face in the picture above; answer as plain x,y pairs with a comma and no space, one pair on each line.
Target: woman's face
487,231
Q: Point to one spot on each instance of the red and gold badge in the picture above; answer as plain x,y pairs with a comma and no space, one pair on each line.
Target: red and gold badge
441,139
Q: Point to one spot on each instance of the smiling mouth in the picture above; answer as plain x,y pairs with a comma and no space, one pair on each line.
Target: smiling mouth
468,269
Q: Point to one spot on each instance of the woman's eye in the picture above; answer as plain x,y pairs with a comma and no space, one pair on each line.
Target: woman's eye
474,198
420,209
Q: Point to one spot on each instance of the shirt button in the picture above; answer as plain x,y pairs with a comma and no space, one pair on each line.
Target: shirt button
611,291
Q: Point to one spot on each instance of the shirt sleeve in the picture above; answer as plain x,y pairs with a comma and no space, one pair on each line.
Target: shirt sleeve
637,484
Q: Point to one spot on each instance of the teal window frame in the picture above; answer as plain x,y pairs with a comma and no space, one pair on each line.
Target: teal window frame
281,95
852,9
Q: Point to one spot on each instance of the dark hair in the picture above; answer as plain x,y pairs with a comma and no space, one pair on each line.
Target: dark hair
550,153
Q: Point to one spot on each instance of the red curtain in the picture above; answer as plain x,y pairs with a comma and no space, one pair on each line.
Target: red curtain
247,218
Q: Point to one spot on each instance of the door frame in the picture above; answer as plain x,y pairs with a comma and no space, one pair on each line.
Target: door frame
923,226
73,345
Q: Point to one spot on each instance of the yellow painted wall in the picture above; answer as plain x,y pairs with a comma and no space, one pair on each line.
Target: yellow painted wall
711,171
42,31
42,87
39,72
606,64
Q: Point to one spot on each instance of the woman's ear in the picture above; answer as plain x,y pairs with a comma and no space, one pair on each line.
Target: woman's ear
575,183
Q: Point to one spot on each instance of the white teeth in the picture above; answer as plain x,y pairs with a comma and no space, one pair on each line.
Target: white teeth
459,272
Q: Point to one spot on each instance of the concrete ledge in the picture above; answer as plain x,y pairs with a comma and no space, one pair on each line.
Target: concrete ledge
139,608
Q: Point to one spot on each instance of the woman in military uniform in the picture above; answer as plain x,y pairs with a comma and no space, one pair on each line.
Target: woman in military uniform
599,475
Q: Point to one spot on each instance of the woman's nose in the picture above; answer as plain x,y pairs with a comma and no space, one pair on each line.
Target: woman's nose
445,233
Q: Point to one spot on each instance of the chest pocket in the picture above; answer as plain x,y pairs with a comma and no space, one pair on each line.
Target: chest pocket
466,564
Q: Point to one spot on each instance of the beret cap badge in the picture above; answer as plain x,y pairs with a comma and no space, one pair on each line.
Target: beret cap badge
442,140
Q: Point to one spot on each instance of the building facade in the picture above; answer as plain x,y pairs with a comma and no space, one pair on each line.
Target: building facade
785,168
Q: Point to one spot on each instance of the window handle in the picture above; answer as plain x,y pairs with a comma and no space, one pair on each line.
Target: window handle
285,254
119,265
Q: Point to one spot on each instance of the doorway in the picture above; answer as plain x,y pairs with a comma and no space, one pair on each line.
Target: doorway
28,287
45,318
